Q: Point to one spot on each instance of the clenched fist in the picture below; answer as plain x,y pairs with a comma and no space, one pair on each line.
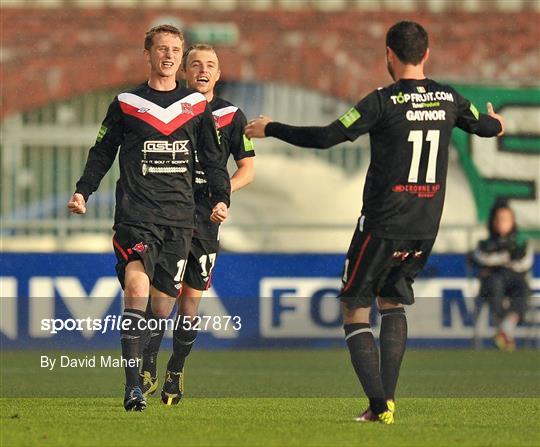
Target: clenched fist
77,204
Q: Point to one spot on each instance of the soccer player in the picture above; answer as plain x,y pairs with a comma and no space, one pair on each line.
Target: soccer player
159,126
410,124
200,66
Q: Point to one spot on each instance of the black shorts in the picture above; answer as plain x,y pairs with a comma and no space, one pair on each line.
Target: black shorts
201,262
385,268
163,251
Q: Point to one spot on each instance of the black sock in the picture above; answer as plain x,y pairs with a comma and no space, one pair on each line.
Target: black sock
183,340
153,344
132,338
365,360
393,339
147,333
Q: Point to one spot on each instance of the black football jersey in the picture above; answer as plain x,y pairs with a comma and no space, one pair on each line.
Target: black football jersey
410,124
158,133
230,122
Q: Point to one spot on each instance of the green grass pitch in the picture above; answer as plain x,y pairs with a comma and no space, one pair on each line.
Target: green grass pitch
288,397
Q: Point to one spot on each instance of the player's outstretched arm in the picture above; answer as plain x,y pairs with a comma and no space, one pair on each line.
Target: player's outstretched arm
319,137
496,116
471,120
77,204
256,128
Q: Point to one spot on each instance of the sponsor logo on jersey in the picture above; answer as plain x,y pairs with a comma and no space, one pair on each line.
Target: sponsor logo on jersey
166,147
163,169
425,105
350,117
170,165
248,144
102,131
420,190
474,111
143,110
402,98
421,89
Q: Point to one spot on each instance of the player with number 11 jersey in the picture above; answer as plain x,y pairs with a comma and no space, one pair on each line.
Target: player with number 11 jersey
410,124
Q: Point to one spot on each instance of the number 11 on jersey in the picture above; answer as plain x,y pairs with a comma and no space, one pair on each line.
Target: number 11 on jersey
416,137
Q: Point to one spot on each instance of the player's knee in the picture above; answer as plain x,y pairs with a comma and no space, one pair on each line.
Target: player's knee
137,283
189,305
162,304
189,292
161,311
190,311
355,314
136,289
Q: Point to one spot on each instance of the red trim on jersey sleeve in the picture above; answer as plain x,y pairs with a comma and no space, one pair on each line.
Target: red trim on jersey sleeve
224,120
357,264
165,128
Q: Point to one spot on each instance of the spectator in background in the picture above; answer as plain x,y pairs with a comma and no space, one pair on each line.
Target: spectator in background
504,261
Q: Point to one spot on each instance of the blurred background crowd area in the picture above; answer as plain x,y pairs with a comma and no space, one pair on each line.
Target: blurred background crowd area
299,61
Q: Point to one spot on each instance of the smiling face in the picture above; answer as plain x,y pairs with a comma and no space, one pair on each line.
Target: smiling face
202,71
165,55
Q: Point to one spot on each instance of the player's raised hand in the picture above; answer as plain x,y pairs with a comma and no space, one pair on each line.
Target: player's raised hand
219,213
77,204
255,128
498,117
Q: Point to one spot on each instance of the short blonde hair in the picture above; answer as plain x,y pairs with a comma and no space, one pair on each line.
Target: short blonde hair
196,47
